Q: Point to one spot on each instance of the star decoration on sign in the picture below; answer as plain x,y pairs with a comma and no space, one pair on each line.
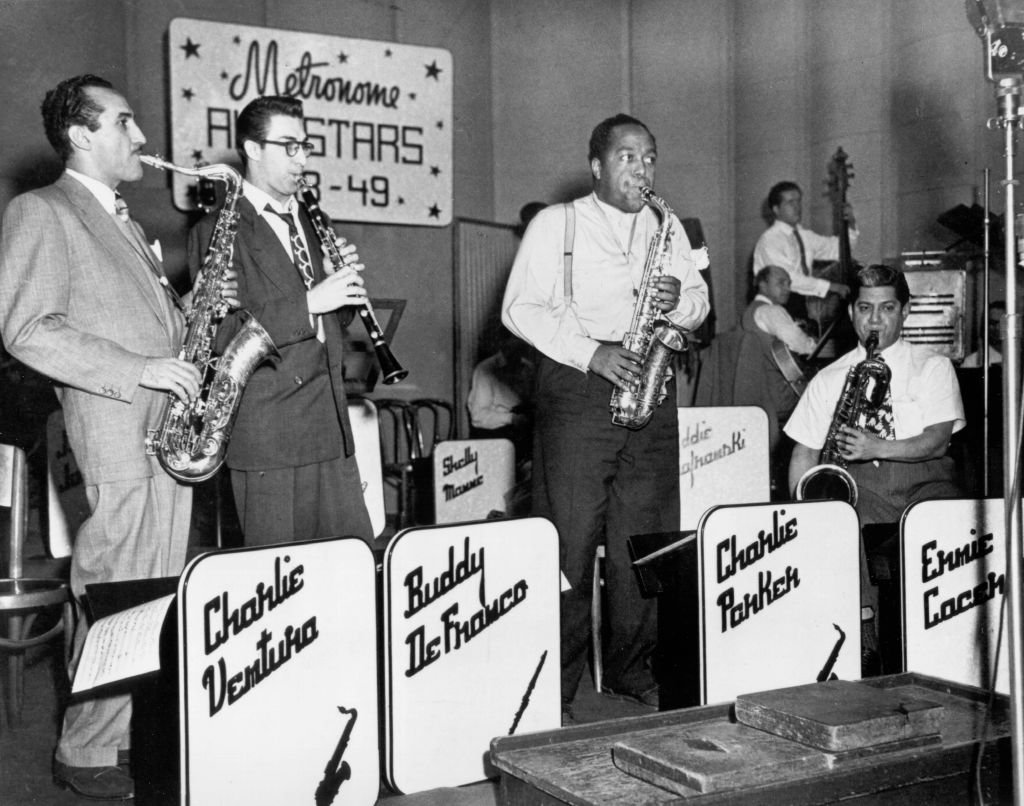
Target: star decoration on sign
400,200
342,57
197,155
191,48
412,96
435,171
387,53
224,75
440,124
435,211
433,71
237,40
188,93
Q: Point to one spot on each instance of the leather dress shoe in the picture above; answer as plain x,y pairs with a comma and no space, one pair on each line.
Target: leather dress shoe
95,783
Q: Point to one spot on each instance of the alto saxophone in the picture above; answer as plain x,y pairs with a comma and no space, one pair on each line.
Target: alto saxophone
863,392
651,336
192,439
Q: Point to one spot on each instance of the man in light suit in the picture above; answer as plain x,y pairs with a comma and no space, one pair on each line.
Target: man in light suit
293,466
83,300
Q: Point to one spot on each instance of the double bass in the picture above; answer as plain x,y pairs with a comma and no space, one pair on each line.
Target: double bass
832,307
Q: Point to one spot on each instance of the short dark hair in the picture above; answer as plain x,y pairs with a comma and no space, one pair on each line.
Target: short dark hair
775,194
601,137
878,275
763,274
253,122
69,104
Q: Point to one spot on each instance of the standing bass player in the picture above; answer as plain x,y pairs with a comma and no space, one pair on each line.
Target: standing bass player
291,454
571,294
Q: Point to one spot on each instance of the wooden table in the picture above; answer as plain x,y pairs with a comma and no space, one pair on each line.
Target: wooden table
574,765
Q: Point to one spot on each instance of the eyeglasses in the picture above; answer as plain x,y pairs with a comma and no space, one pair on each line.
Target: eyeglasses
291,147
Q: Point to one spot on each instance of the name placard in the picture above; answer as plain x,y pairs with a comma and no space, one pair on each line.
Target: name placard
780,596
278,675
953,559
379,114
472,478
723,459
471,643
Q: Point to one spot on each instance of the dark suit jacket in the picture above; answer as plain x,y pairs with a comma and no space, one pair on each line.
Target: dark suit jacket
77,305
293,411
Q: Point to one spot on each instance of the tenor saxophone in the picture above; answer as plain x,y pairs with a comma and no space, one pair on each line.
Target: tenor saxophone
192,439
863,392
651,336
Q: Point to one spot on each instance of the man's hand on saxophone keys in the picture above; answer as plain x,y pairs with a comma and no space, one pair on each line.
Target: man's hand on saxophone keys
344,287
616,364
667,294
181,378
229,289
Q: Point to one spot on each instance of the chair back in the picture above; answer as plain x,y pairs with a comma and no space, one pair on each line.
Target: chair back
395,425
433,421
14,496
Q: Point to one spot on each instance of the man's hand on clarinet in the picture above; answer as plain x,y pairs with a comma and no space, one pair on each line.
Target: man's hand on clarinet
344,287
616,364
348,253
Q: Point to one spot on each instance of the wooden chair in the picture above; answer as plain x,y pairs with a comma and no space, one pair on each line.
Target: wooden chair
24,598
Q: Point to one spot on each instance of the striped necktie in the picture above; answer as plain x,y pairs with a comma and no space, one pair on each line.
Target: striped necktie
133,233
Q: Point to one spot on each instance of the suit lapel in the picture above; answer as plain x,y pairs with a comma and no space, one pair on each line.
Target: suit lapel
124,257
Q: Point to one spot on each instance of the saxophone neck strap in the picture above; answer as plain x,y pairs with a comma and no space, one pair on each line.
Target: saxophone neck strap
570,237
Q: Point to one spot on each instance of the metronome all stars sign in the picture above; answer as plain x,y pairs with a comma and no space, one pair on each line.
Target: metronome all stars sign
379,114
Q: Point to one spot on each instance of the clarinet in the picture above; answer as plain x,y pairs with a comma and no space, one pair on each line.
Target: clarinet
391,370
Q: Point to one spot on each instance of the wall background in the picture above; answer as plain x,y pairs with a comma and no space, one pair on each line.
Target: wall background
739,93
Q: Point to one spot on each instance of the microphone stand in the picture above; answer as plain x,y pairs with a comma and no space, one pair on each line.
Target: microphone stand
1008,93
986,301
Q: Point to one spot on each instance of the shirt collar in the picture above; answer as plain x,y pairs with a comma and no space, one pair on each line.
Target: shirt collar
260,199
104,194
763,298
615,215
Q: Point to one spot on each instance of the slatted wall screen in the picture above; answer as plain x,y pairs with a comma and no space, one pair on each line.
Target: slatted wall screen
483,256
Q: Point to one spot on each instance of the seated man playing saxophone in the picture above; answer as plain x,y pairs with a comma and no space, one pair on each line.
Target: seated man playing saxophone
900,456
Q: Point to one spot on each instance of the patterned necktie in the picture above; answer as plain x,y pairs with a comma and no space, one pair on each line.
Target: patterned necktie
803,252
300,257
880,422
132,232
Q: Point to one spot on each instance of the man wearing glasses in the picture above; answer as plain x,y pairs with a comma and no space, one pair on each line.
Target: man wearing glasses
291,455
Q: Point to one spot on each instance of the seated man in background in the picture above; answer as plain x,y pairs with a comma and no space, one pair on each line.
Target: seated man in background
779,338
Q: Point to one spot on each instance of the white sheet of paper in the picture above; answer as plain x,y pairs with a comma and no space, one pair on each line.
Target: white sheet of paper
123,645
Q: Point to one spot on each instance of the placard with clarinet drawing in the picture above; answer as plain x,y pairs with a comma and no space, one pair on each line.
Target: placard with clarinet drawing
278,675
723,459
780,596
953,560
471,644
379,114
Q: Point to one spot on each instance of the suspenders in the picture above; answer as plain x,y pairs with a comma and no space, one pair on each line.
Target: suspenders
570,237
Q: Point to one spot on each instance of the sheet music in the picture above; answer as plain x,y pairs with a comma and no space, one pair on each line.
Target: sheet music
124,645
